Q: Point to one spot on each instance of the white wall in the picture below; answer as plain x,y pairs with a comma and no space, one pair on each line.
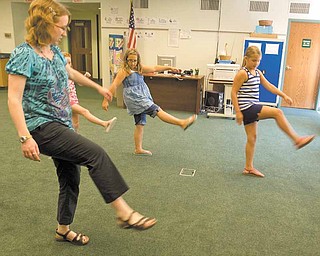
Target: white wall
236,24
191,53
6,26
18,16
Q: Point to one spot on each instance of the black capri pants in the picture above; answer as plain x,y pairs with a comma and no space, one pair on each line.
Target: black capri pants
69,150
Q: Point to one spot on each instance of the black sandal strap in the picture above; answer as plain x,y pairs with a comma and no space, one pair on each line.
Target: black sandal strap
78,239
140,223
130,216
63,235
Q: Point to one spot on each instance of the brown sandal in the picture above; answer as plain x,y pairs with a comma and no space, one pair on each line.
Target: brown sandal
77,240
139,225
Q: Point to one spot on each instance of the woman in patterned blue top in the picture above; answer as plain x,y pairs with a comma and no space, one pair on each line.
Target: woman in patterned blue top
38,100
245,98
138,99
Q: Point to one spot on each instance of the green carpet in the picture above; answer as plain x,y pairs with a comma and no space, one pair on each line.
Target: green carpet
217,212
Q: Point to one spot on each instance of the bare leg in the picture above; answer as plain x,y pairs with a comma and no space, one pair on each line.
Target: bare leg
183,123
251,131
138,137
283,124
281,120
77,109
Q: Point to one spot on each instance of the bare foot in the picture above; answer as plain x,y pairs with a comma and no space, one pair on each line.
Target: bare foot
188,122
303,141
109,124
253,172
143,152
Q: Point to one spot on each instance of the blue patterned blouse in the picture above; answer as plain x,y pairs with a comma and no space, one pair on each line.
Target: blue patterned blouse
45,96
136,94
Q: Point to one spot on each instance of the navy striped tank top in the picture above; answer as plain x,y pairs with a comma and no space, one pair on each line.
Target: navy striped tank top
248,93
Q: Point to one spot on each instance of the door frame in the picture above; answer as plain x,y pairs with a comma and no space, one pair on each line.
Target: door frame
89,11
317,103
82,50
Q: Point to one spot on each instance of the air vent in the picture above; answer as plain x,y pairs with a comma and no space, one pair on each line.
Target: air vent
259,6
302,8
210,5
140,3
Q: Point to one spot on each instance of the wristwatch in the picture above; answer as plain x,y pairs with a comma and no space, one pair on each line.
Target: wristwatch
23,139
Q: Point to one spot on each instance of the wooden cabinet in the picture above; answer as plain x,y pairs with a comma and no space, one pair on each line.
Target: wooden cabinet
172,92
3,73
175,92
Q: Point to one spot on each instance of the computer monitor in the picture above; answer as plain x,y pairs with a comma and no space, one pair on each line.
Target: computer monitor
170,60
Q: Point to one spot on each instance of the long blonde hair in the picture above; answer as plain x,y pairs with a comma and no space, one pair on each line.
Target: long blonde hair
251,50
43,14
125,60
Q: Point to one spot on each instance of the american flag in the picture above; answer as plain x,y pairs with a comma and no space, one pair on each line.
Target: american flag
132,42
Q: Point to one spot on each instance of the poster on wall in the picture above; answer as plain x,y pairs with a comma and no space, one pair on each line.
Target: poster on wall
115,54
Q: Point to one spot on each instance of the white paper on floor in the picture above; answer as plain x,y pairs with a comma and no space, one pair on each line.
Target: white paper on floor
187,172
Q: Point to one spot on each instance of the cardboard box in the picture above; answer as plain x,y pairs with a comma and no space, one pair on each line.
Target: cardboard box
264,35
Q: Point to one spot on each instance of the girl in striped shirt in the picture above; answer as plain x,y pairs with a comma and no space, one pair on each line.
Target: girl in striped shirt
245,98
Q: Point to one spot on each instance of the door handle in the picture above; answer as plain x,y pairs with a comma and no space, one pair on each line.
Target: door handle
288,67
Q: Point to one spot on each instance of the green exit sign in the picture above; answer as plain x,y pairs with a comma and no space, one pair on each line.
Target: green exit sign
306,43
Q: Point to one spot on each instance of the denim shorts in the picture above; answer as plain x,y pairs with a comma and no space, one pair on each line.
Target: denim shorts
250,115
141,118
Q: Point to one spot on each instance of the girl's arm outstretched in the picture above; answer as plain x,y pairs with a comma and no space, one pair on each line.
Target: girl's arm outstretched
158,68
117,81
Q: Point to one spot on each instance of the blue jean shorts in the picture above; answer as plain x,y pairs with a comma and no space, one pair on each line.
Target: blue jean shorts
250,115
141,119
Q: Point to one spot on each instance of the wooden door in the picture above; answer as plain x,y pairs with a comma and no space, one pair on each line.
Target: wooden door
302,68
81,45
